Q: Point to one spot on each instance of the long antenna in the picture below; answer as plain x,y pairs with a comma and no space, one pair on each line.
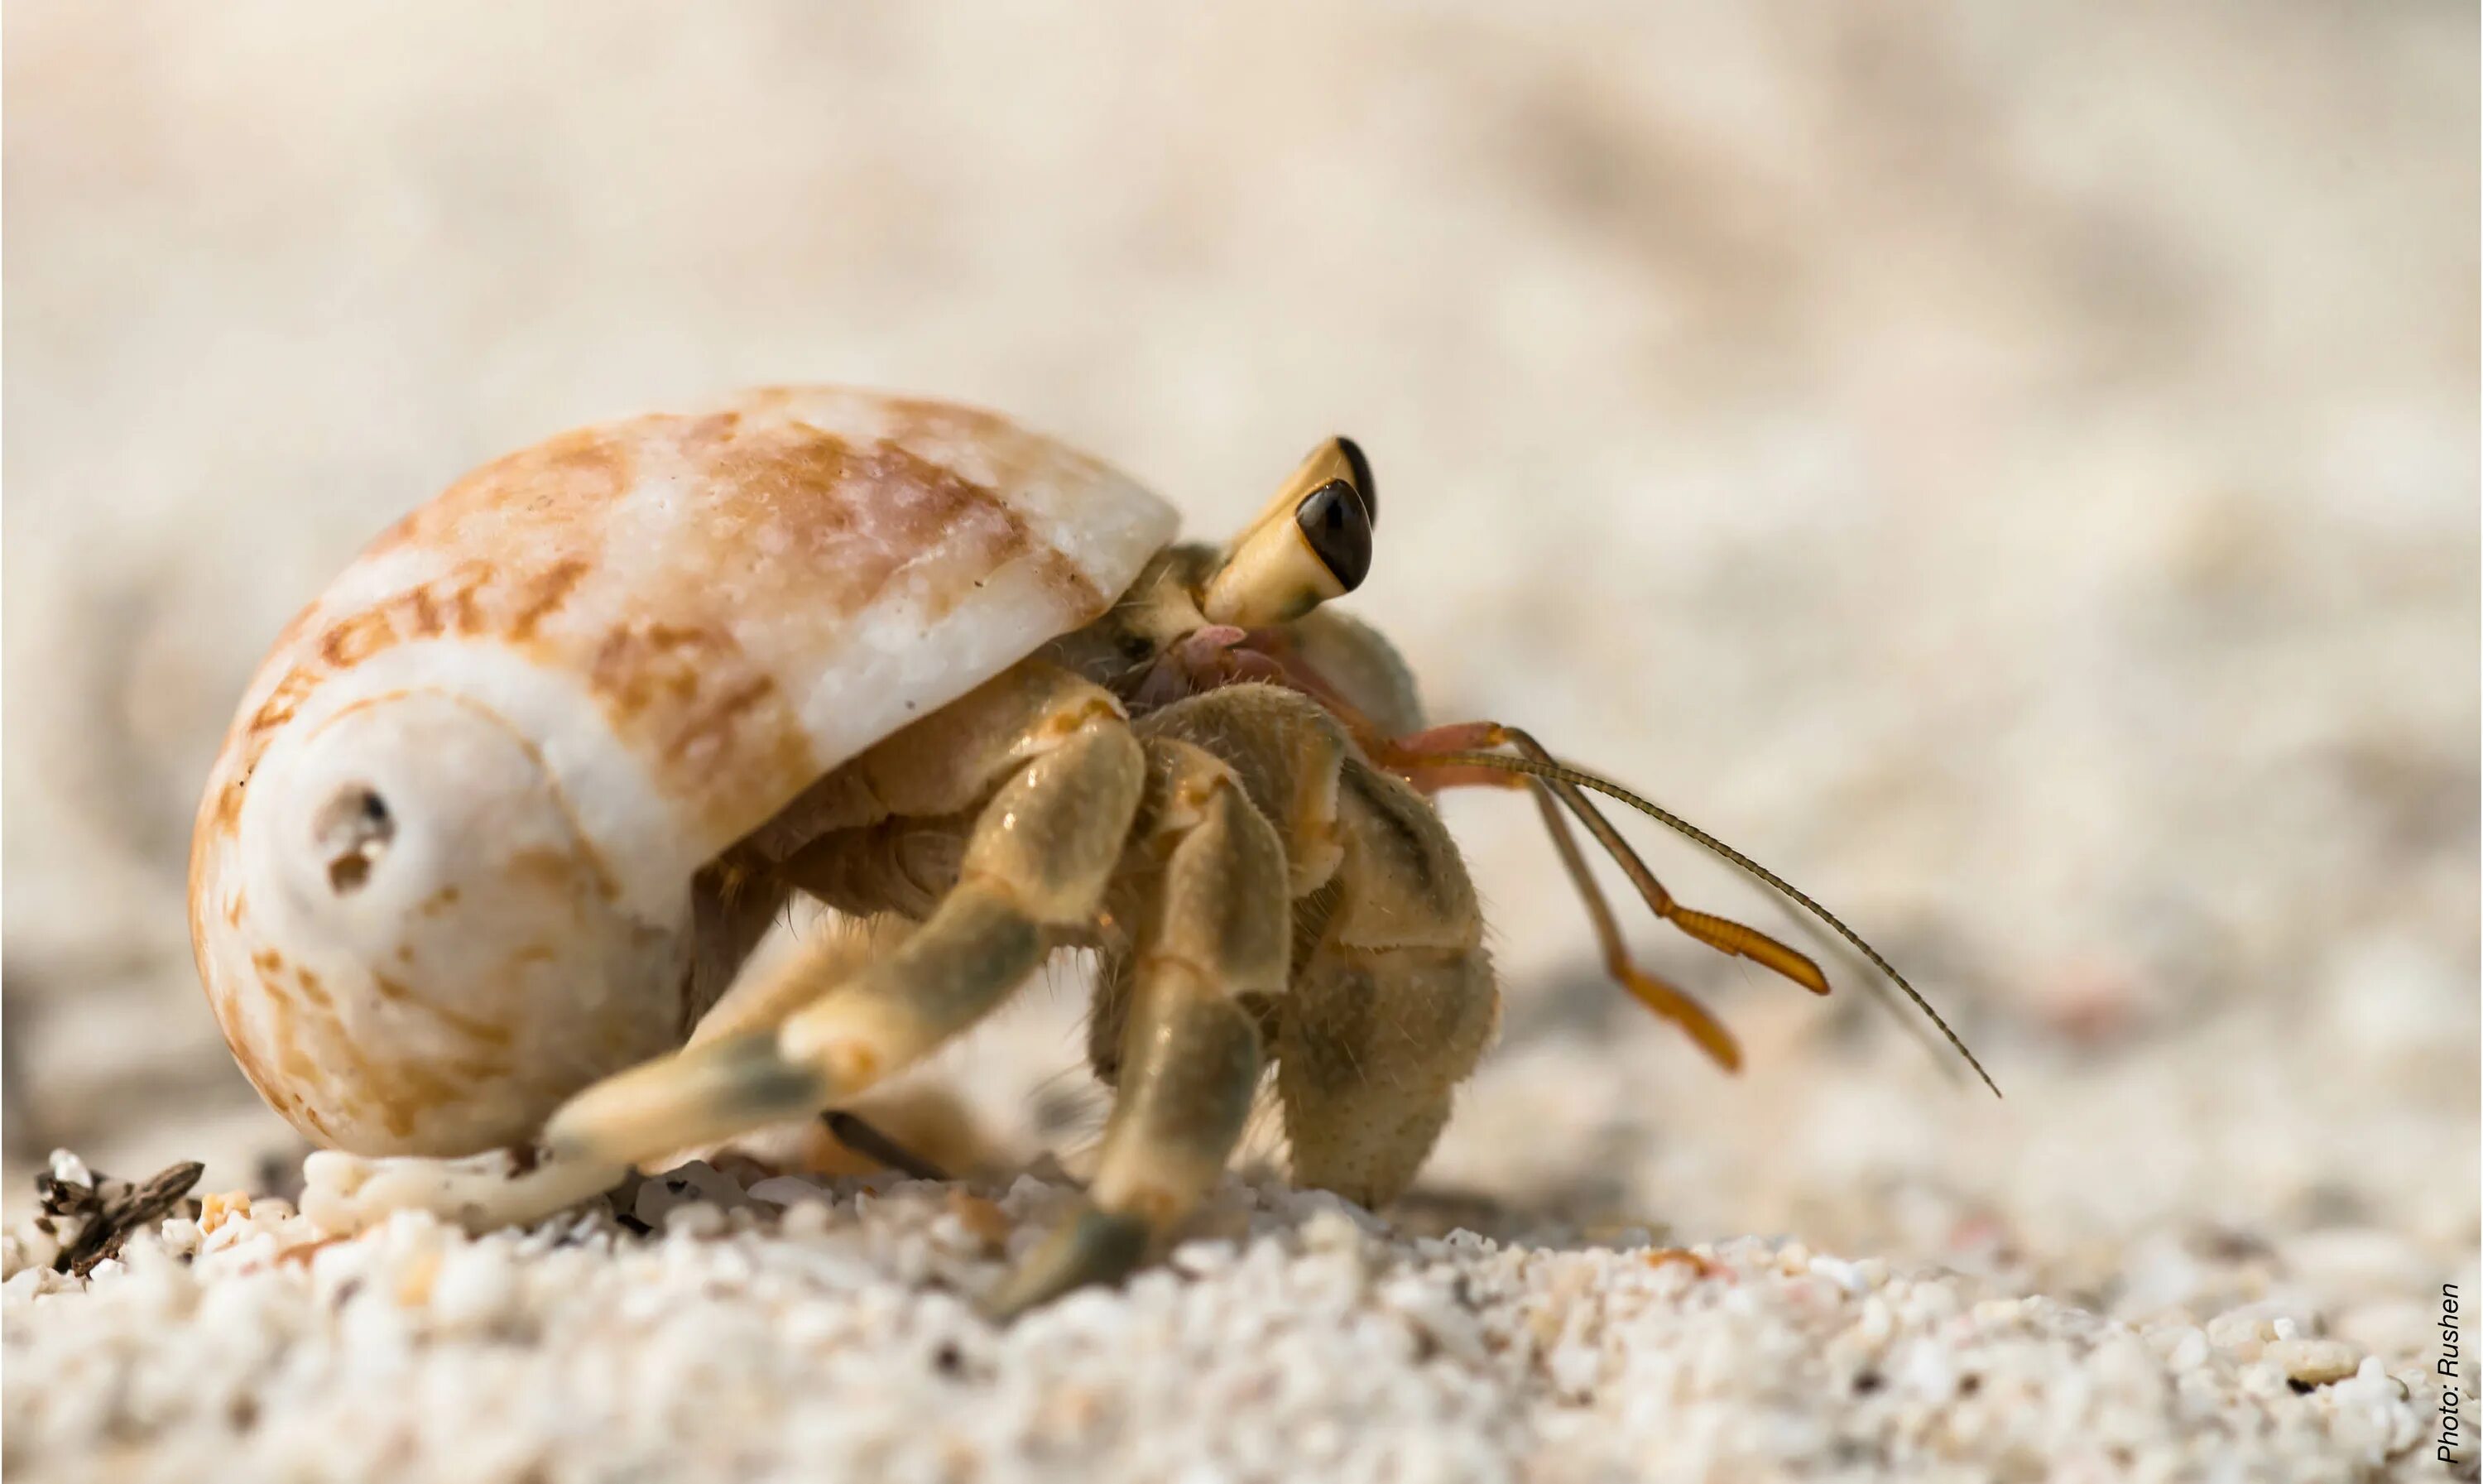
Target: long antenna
1563,773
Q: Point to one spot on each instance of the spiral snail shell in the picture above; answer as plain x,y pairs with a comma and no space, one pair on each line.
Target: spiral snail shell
443,872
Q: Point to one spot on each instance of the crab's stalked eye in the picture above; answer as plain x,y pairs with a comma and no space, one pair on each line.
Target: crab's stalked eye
1310,544
1337,524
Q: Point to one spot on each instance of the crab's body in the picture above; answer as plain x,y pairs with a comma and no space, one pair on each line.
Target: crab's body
507,808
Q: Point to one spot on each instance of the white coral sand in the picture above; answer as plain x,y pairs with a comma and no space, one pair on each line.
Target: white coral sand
792,1331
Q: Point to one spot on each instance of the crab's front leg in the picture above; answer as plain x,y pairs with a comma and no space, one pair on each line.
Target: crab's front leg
1036,863
1216,932
1038,857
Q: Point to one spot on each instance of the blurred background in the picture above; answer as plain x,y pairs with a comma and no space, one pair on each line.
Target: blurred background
2012,469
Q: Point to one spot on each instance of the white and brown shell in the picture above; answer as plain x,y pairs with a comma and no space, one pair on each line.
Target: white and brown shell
441,873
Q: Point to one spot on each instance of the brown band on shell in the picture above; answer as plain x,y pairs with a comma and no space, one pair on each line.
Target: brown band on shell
794,527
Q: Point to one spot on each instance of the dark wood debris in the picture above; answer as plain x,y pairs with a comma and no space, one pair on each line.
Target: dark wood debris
92,1220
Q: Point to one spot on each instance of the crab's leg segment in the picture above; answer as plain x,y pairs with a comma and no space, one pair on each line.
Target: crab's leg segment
1645,988
1036,863
1218,929
1395,1004
1720,934
1414,758
1392,997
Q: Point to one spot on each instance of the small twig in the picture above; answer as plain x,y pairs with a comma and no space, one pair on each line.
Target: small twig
108,1210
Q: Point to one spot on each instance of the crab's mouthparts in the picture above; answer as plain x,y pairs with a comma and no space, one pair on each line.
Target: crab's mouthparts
1207,658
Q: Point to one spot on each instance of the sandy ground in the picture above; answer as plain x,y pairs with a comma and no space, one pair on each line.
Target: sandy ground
799,1332
2015,473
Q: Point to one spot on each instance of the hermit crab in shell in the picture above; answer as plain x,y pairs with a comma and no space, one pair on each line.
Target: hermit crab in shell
509,806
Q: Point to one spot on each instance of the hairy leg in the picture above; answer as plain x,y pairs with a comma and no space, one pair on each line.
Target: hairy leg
1217,929
1286,752
1393,1000
1394,1008
1036,863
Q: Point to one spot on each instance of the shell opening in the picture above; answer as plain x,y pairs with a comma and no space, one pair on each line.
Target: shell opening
350,831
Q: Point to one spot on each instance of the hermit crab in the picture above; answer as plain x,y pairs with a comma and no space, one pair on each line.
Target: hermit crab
508,807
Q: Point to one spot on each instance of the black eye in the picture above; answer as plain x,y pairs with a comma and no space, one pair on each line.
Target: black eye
1361,467
1337,524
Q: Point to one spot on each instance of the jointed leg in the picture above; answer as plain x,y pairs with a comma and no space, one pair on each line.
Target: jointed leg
1395,1006
1036,864
1415,757
1393,1000
1218,930
831,951
1373,1048
1287,753
1420,756
1649,990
